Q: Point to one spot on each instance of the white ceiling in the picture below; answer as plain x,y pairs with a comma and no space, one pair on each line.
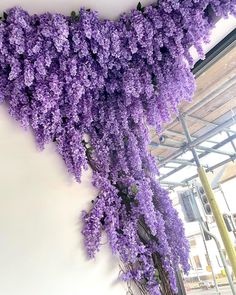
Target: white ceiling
106,8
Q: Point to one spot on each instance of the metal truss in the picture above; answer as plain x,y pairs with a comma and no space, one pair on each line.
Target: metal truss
218,126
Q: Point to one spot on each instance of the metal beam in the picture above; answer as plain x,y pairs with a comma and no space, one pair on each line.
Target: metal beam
172,132
214,131
169,166
231,141
184,162
212,168
211,199
221,89
175,170
200,139
220,144
207,99
176,133
194,118
213,56
217,52
209,169
172,183
198,147
189,139
165,145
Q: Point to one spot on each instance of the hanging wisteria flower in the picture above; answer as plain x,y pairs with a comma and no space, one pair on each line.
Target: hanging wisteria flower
71,78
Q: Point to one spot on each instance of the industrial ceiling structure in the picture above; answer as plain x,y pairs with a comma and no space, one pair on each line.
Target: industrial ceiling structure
210,120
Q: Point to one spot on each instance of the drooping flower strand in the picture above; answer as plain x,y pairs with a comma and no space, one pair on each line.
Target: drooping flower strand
137,201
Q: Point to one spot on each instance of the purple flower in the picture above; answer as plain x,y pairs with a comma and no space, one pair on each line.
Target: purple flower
71,78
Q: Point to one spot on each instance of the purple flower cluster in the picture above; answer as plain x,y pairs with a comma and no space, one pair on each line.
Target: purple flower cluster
71,78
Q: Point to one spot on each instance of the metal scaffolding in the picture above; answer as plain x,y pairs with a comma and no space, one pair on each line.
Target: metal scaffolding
173,158
201,144
200,140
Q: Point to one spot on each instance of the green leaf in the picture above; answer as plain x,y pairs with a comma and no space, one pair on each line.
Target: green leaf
134,189
74,16
154,80
139,6
126,139
4,15
136,203
89,151
157,276
119,231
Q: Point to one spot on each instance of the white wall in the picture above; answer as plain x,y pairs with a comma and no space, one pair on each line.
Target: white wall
107,9
229,191
41,247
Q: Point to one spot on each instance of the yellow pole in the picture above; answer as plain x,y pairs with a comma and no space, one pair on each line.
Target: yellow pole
219,218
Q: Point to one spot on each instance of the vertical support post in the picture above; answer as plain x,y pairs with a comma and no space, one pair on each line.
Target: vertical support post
180,284
219,218
202,224
231,215
231,283
210,263
212,201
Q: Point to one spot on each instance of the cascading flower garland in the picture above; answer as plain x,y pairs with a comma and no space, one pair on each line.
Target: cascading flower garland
67,77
